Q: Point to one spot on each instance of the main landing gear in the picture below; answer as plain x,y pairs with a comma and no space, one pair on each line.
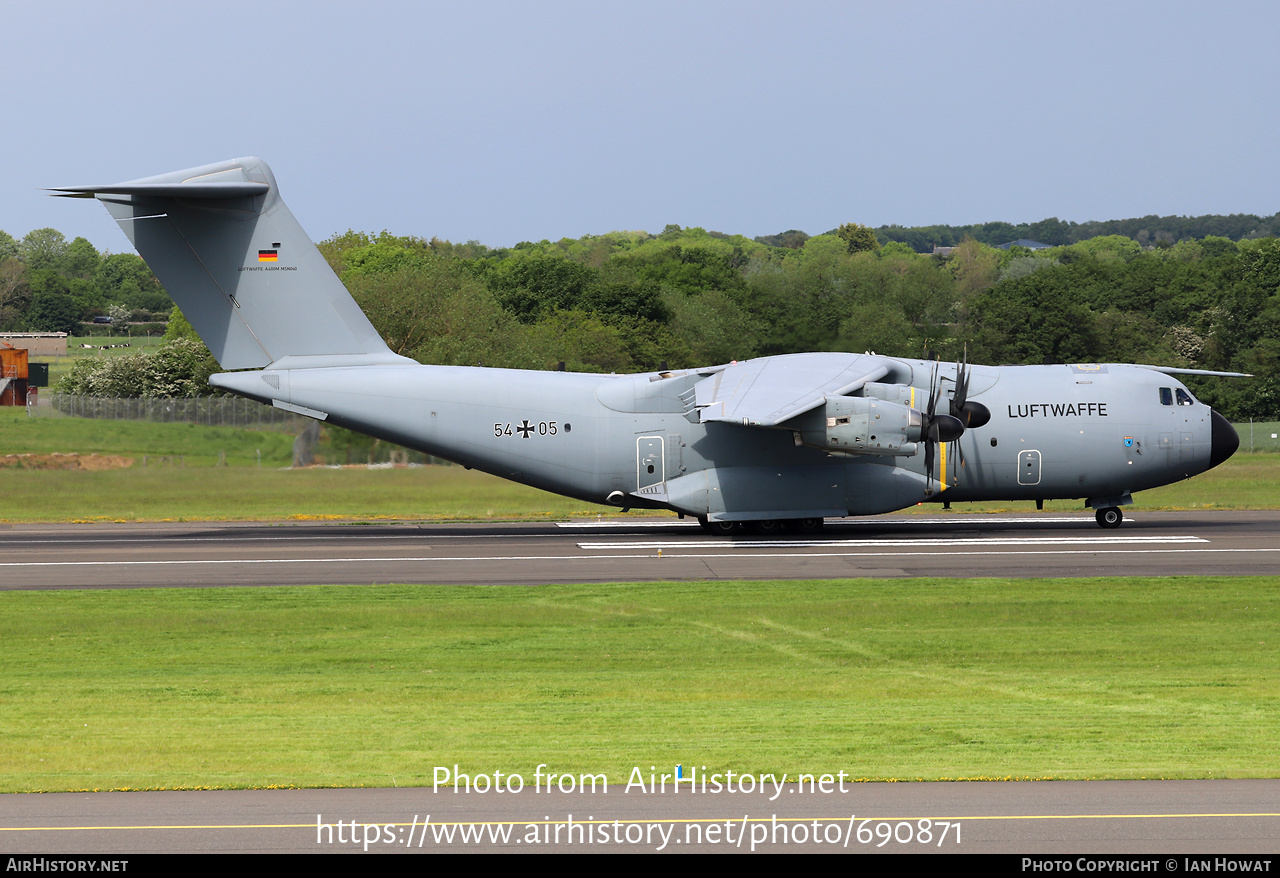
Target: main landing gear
1109,517
768,527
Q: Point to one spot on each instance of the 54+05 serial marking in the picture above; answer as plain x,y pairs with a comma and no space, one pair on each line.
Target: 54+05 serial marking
526,429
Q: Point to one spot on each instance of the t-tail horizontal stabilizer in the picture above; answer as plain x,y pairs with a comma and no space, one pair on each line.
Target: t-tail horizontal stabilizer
242,270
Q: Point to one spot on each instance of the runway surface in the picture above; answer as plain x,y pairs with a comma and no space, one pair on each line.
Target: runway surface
1161,818
1164,819
949,544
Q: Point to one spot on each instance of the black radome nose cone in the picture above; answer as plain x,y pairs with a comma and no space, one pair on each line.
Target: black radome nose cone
1225,440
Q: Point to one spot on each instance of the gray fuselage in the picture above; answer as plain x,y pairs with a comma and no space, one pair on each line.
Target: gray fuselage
1055,432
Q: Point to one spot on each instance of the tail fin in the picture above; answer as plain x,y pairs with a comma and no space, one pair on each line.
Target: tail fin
240,267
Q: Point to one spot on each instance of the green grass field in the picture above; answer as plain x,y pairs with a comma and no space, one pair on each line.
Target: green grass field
169,493
175,476
197,445
904,679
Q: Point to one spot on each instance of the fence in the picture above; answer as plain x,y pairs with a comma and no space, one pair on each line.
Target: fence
1256,436
211,411
231,411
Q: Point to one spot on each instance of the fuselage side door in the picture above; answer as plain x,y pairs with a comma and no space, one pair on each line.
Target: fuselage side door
1029,467
650,464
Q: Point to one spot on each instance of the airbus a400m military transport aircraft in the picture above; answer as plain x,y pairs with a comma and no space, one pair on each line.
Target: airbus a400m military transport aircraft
781,441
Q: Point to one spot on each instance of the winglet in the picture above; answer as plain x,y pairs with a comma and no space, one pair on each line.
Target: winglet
1173,370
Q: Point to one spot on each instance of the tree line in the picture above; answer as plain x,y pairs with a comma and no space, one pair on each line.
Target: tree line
634,301
1147,231
49,284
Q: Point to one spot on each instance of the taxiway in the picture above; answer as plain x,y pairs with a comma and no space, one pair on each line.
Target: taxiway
1160,819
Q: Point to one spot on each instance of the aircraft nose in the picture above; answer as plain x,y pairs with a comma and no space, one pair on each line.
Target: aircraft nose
1224,440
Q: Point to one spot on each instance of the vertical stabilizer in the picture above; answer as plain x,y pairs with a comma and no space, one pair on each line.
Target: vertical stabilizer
242,270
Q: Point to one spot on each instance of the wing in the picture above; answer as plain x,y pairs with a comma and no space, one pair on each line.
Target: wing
769,390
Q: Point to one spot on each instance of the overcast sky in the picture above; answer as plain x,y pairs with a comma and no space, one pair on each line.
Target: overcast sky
510,121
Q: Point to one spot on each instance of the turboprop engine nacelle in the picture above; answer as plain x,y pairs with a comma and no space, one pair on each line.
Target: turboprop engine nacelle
857,425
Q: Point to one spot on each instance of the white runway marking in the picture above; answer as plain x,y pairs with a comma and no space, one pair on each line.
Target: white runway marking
918,544
615,522
881,520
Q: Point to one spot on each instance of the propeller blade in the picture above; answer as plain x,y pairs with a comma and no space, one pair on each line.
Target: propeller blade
963,410
928,460
971,414
961,394
937,428
933,392
959,400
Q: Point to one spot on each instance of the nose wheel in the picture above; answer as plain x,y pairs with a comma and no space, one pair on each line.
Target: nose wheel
1110,517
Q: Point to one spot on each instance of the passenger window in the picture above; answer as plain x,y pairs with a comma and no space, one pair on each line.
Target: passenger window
1184,398
1166,396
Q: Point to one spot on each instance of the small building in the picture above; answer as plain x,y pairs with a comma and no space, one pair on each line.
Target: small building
1025,242
13,375
40,344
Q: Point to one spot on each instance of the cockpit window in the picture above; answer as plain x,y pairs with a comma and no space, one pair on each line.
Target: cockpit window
1166,396
1184,398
